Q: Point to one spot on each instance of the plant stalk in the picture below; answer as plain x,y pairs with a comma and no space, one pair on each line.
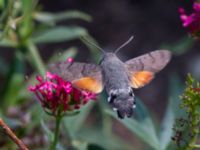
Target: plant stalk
56,132
195,129
12,135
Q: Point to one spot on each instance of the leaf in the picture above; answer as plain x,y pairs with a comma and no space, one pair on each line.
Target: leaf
59,34
107,128
52,18
180,47
142,113
81,145
95,136
74,123
142,128
171,114
176,89
6,43
26,25
13,83
166,127
94,147
59,146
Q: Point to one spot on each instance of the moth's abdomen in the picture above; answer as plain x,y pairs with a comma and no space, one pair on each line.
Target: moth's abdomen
122,101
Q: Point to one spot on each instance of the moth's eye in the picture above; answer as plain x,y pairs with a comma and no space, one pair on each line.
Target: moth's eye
112,97
131,93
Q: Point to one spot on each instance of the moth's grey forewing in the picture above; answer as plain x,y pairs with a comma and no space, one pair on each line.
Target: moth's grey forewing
153,61
76,70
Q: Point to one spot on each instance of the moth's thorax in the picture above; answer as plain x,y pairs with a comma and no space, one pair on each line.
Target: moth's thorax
115,74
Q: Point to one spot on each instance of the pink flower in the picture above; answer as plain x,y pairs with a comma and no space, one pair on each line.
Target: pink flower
192,21
54,93
196,7
70,60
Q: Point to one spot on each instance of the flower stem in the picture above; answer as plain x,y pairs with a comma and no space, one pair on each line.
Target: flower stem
56,132
195,131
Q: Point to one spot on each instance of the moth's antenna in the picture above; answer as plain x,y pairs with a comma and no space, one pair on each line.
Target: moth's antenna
93,44
128,41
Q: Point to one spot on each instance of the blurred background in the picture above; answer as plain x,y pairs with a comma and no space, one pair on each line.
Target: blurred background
36,33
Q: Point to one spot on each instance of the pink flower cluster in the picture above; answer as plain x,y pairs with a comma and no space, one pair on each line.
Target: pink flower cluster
191,21
55,93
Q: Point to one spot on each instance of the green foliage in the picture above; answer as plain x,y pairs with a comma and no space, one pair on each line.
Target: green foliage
143,128
53,18
187,129
59,34
180,47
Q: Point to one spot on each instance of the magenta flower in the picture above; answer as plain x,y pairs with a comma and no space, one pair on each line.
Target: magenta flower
192,21
70,59
55,94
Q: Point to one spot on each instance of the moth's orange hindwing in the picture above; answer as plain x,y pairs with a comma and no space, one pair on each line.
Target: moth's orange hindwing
89,84
141,78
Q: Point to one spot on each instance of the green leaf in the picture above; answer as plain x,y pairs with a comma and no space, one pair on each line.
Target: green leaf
52,18
27,23
143,114
80,145
172,112
60,146
83,146
142,128
74,123
59,34
176,89
97,137
166,128
180,47
14,82
6,43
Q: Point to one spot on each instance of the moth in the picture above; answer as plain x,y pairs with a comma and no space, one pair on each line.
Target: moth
119,78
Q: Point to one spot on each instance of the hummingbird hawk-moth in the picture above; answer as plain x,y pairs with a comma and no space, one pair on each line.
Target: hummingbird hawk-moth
119,78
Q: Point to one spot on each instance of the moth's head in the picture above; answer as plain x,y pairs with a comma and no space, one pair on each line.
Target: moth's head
109,55
122,101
